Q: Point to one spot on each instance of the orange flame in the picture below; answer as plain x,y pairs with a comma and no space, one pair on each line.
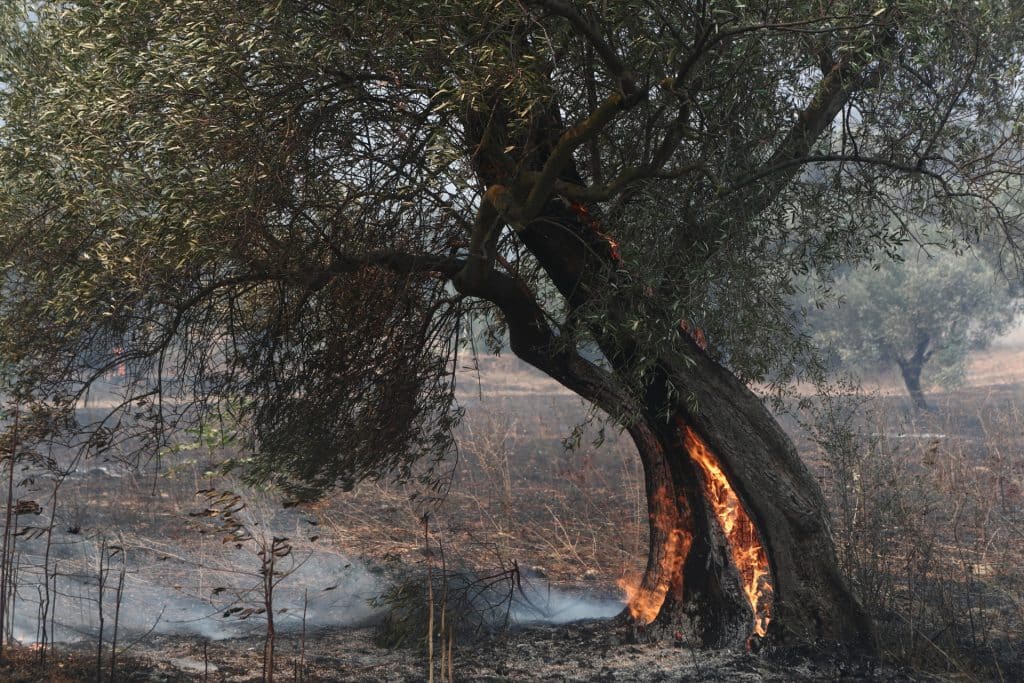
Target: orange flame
748,554
645,603
745,546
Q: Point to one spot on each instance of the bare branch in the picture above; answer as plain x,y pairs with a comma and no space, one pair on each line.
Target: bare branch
590,31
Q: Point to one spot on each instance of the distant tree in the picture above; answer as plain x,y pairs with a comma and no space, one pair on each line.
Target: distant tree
297,205
922,313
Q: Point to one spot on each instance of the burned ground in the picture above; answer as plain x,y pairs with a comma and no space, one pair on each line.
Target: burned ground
927,511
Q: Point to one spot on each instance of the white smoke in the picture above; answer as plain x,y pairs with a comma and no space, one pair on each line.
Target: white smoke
163,594
537,603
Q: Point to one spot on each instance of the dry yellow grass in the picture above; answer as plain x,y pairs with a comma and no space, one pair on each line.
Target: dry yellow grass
998,365
507,376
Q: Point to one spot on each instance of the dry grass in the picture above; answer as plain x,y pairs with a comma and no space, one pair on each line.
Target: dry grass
517,495
931,529
999,365
929,520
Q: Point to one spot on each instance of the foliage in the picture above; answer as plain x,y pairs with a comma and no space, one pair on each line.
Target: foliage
301,203
934,303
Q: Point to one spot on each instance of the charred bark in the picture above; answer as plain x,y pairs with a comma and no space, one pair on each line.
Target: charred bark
700,592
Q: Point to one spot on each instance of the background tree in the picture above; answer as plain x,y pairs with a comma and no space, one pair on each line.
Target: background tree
924,312
298,203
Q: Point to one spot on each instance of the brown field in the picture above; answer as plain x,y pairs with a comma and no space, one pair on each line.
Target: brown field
927,510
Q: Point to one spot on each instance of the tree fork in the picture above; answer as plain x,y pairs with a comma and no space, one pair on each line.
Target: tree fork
811,599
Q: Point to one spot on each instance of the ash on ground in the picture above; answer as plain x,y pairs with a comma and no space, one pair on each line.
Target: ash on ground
581,651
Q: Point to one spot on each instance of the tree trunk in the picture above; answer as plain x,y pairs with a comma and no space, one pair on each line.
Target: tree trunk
691,577
912,379
703,593
911,371
691,583
810,600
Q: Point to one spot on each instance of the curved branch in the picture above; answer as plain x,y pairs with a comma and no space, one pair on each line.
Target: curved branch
532,339
531,335
572,138
589,30
791,164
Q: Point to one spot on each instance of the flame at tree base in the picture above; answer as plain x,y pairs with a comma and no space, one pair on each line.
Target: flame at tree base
748,553
745,547
644,603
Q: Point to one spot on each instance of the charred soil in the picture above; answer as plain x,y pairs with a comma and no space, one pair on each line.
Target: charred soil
927,512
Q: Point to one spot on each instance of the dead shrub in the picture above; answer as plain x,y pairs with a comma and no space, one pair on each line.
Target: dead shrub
924,529
470,604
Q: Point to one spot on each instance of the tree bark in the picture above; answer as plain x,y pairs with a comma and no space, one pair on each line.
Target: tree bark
701,587
911,370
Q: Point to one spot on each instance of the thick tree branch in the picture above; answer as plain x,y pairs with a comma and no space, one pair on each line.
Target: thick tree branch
561,156
530,333
857,71
533,340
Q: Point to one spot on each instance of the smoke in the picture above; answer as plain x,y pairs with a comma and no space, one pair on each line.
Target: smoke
323,589
185,575
175,595
548,605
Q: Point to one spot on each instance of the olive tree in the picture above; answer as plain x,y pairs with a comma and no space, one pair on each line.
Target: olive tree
922,313
292,208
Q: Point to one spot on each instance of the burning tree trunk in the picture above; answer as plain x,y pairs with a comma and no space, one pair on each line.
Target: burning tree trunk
740,537
671,530
762,558
689,585
740,542
739,531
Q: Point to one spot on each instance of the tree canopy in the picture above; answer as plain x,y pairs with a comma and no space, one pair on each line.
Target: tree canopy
925,312
290,209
